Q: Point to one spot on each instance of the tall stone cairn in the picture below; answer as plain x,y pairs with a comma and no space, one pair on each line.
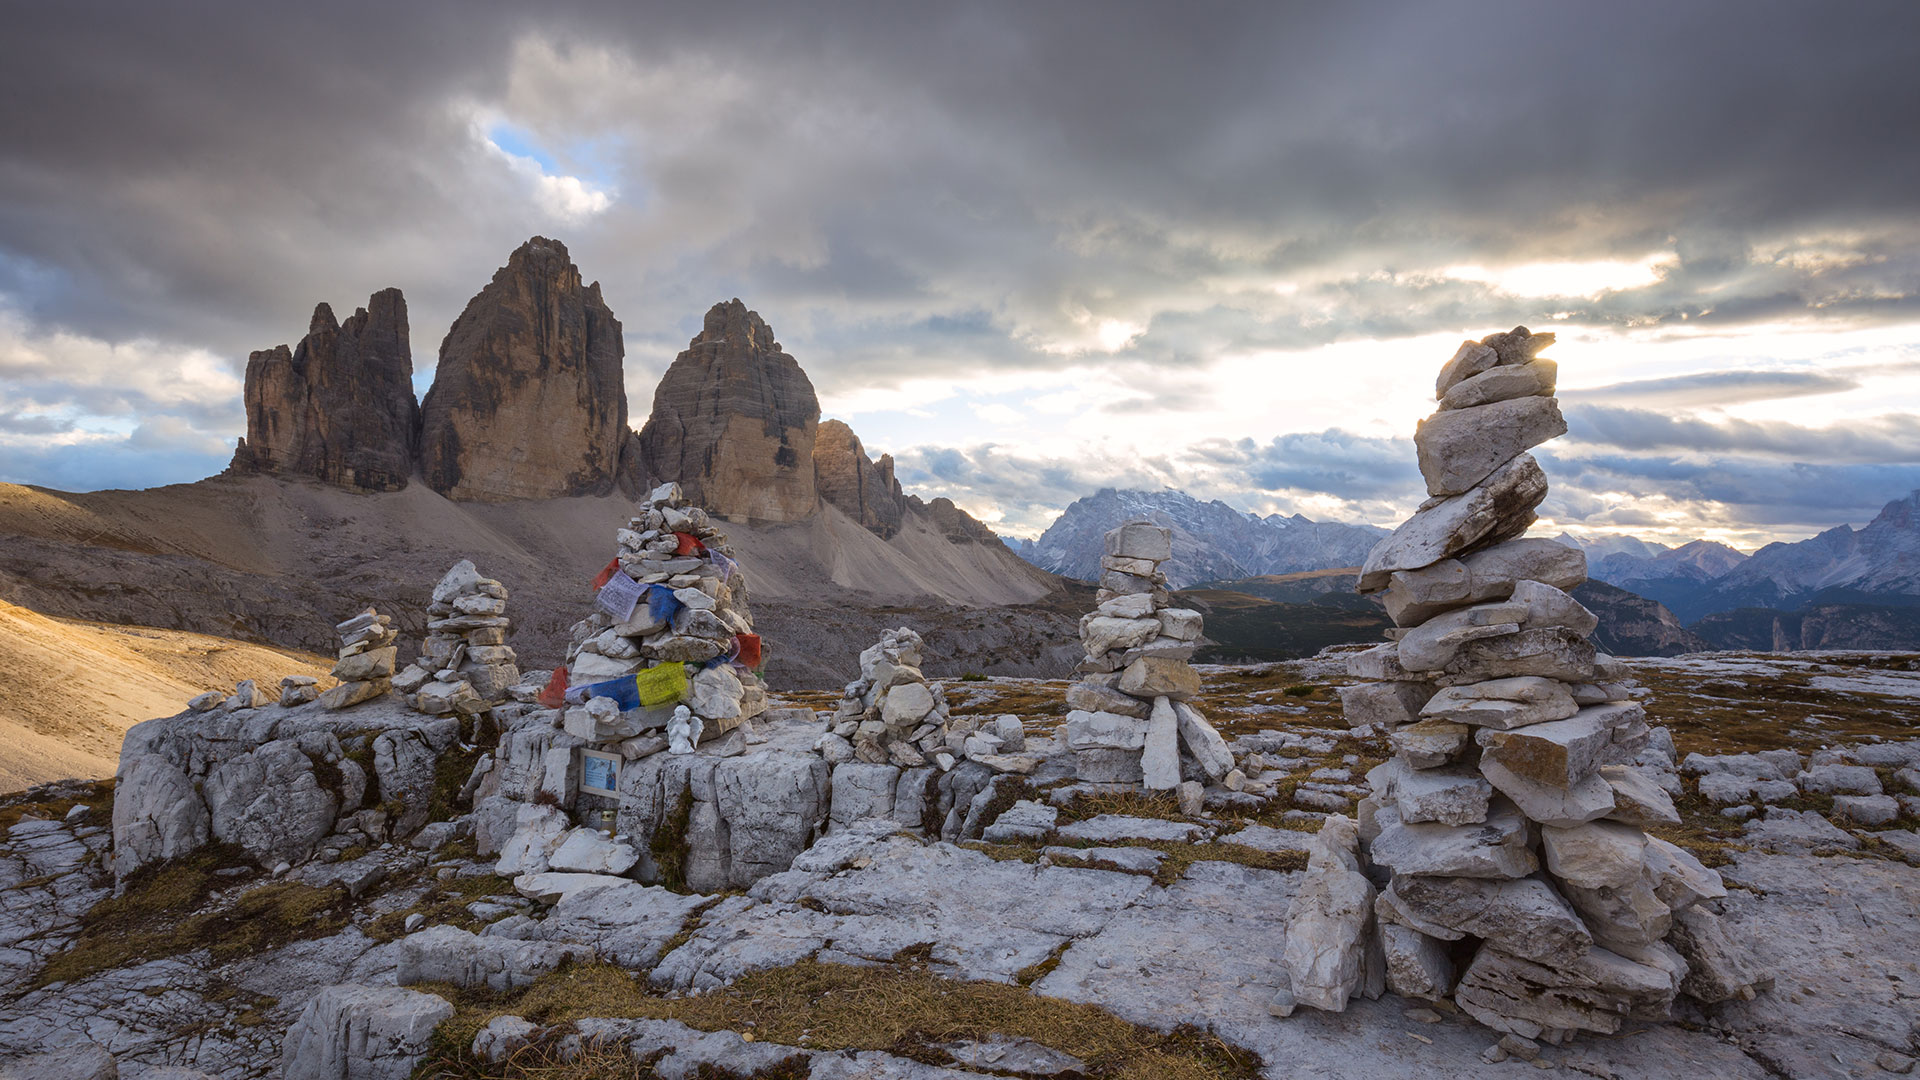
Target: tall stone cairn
365,667
465,665
1506,833
704,633
1131,711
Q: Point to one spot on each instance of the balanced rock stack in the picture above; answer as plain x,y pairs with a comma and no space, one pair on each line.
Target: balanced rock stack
1507,829
465,665
365,667
671,626
891,714
1130,710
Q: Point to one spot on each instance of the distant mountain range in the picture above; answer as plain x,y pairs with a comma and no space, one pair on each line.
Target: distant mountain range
1211,540
1843,589
1878,565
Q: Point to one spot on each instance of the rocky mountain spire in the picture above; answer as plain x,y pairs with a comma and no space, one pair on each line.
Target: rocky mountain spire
863,489
339,406
734,421
528,401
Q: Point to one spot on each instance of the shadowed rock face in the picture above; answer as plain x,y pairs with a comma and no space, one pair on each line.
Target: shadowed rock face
864,490
528,401
734,421
339,407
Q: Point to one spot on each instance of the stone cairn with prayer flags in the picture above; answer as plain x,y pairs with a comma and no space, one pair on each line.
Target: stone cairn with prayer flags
1507,834
1131,711
670,627
365,667
465,665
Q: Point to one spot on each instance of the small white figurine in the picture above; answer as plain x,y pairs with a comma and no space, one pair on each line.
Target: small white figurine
683,731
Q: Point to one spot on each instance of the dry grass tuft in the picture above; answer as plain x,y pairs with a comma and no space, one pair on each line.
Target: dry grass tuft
170,910
904,1009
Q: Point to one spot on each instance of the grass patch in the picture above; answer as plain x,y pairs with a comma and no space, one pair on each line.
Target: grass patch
444,904
904,1009
1091,804
450,775
165,912
669,844
53,802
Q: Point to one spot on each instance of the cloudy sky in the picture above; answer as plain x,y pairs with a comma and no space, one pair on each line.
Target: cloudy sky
1029,249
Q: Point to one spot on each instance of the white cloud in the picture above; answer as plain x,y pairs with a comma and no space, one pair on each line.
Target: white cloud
1589,278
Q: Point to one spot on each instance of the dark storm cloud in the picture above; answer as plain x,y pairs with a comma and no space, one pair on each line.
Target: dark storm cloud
914,191
1716,388
205,173
1890,439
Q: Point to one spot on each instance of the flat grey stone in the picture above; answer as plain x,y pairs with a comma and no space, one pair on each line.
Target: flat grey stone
1107,828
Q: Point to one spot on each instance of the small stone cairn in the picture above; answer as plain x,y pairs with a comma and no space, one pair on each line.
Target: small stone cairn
891,714
365,667
1130,709
1500,860
689,637
465,665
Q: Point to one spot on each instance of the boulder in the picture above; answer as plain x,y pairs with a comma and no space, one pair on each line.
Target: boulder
1160,756
1495,848
1417,965
1430,744
1551,652
1101,634
448,954
1503,383
362,1032
157,814
1717,969
1525,917
1140,540
1386,704
1548,804
271,803
1503,703
1500,507
1159,676
1209,750
1105,731
1560,753
1597,992
1637,799
1329,921
1458,448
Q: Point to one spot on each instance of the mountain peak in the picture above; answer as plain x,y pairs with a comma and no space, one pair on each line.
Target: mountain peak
534,351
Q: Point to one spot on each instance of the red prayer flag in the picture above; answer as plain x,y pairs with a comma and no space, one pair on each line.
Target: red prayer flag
607,572
689,544
555,695
749,651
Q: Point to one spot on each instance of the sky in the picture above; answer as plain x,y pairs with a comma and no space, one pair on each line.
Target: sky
1030,250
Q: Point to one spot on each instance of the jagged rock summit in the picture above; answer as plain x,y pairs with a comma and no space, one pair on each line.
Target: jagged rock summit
528,401
864,488
339,406
733,422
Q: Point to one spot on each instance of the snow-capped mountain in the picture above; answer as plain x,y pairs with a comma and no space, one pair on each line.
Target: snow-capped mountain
1211,540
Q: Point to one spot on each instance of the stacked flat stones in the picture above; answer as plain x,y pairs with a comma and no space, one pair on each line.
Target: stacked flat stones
891,714
703,633
365,666
1507,829
465,665
1130,709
